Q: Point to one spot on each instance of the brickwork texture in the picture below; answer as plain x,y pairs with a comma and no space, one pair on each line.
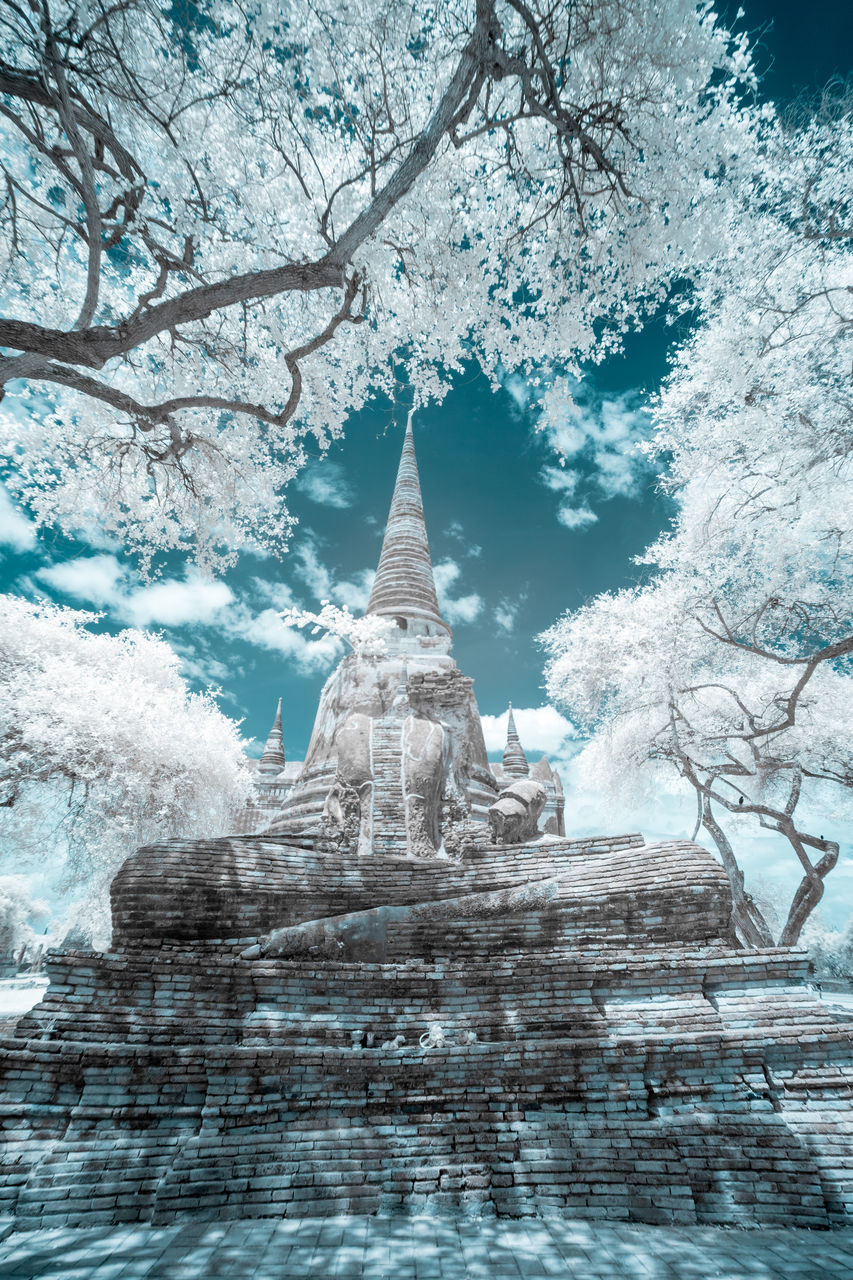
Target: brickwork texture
611,1056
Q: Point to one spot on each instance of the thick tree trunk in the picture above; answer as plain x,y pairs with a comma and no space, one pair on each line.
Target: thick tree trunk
810,890
746,917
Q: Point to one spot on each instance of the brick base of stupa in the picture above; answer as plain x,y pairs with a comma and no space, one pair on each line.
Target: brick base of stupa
613,1055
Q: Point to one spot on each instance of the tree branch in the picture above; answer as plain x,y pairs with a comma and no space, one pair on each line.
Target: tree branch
149,416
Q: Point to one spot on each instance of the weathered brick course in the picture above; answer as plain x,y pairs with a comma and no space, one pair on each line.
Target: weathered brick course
612,1057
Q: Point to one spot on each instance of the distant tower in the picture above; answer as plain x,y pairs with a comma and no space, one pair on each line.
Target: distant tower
272,761
404,587
514,761
397,732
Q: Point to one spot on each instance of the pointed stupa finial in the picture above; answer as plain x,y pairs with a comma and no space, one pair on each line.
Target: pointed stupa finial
514,759
404,586
273,753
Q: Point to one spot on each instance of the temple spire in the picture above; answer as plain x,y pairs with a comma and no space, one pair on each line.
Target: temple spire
514,761
404,587
273,753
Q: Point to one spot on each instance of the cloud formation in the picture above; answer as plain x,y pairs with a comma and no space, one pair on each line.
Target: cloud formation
455,609
16,531
456,531
203,669
307,654
576,517
599,433
93,579
560,479
100,580
321,582
506,613
252,617
540,729
175,603
325,483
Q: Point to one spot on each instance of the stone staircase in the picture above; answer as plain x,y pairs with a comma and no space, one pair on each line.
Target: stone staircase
389,801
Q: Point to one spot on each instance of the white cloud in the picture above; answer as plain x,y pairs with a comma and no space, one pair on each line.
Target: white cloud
174,603
602,433
355,593
267,630
519,389
100,580
454,609
579,415
326,484
16,530
607,430
462,609
456,531
506,614
204,669
623,418
617,474
275,593
445,574
576,517
312,571
560,479
539,729
321,582
94,579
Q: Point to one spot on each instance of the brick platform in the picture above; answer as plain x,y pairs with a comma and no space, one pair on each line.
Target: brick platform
425,1249
612,1057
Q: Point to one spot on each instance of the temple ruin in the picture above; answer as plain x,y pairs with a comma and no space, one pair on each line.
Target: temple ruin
397,736
406,990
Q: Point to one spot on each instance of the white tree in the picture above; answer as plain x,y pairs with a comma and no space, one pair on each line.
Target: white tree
227,226
733,664
754,738
17,906
102,748
366,636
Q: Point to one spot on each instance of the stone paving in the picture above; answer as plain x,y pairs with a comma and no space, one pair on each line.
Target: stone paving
421,1248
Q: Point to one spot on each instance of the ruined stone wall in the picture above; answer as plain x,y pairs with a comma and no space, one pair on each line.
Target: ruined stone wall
611,1055
243,886
667,1086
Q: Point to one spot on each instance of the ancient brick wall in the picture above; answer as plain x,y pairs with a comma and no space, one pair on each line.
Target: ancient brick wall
243,886
613,1056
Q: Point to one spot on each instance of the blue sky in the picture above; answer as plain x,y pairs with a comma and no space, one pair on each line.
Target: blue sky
515,540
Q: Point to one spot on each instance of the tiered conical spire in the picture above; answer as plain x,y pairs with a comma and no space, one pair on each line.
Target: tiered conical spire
515,761
404,586
273,754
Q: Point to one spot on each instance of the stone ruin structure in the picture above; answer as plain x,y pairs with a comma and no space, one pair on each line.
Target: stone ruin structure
397,746
401,996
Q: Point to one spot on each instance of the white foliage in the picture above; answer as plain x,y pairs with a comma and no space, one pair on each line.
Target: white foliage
367,636
831,949
701,668
17,905
103,747
268,137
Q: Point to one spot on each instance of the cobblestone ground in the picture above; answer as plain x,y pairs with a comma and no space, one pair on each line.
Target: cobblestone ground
424,1249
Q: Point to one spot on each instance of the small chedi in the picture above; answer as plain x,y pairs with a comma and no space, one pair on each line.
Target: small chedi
401,988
